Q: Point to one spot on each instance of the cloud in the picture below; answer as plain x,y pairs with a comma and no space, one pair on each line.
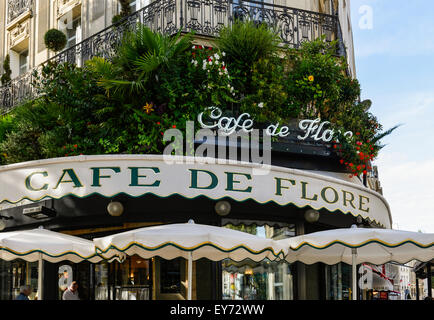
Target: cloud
408,186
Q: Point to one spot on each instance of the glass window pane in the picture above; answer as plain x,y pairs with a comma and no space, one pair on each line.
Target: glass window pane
101,281
133,279
170,276
258,280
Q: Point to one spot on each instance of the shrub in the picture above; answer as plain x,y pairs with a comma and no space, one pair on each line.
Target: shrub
244,44
6,77
55,40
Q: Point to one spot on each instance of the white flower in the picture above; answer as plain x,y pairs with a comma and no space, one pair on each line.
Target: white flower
229,85
210,63
261,105
216,56
204,67
208,70
193,47
223,53
220,73
232,89
223,63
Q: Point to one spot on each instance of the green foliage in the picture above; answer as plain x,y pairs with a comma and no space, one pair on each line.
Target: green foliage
157,82
55,40
116,19
318,80
142,57
6,76
125,8
245,43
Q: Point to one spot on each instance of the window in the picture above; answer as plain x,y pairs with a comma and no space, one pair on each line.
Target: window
338,282
133,5
132,279
24,61
249,280
73,34
170,276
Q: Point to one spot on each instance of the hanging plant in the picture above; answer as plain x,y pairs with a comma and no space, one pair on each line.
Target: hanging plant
55,40
357,152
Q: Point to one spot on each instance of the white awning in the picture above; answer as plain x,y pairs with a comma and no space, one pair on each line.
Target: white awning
137,175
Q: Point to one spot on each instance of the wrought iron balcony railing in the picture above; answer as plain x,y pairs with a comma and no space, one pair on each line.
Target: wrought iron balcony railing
204,17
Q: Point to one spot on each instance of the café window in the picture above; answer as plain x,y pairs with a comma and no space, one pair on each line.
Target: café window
132,279
170,276
249,280
17,273
338,282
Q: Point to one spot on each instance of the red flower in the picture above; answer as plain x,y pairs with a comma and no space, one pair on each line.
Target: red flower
173,126
209,48
357,133
341,161
351,164
162,133
158,123
193,54
365,172
75,146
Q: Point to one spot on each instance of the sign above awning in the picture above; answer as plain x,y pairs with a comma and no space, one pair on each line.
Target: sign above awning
137,175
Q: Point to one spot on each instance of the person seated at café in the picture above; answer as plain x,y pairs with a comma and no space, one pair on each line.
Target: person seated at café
24,293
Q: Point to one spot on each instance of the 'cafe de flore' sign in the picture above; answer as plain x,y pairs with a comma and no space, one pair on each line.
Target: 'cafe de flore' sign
137,175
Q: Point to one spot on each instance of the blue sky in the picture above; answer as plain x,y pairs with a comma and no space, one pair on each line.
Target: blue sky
395,66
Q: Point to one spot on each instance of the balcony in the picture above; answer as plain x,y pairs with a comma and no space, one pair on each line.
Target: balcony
204,17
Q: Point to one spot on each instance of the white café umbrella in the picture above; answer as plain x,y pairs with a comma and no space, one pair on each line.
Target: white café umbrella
360,245
190,241
41,244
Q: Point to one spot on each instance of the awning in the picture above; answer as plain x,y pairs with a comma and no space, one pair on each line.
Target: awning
137,175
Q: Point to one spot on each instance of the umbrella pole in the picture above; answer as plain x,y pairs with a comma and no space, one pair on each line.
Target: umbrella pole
40,276
354,268
190,275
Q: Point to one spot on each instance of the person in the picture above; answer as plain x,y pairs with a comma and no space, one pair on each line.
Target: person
24,293
72,292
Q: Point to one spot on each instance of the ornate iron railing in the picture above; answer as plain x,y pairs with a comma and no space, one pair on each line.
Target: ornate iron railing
18,7
204,17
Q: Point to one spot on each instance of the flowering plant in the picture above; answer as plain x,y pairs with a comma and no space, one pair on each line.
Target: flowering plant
357,152
210,69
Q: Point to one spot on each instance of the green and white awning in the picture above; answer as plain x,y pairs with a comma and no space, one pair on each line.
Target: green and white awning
137,175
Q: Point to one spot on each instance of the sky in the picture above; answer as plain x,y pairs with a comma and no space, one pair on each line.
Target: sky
395,66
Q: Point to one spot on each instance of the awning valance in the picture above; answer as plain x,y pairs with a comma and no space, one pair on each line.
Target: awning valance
137,175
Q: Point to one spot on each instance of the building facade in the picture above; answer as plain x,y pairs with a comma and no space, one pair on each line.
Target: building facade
88,25
257,204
